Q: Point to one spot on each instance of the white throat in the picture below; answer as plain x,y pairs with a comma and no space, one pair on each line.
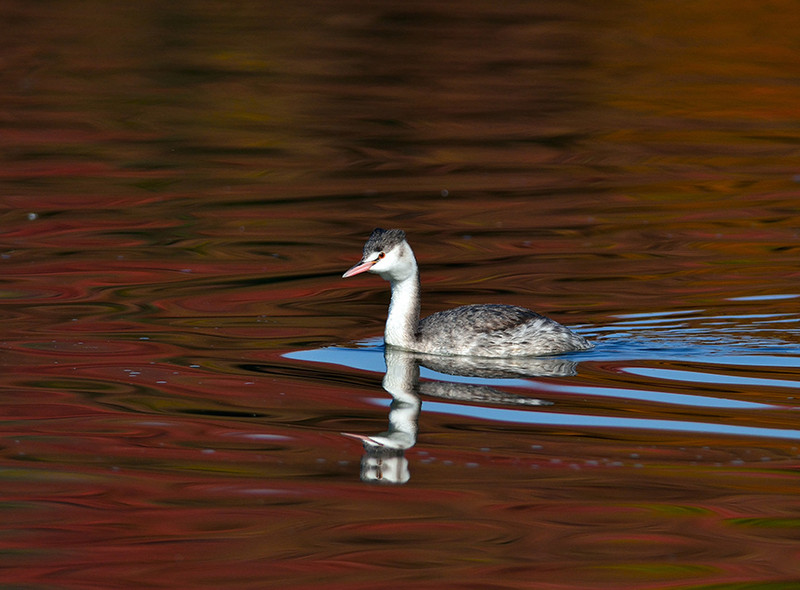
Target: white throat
401,323
403,318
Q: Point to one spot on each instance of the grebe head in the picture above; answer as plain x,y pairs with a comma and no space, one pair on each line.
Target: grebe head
387,254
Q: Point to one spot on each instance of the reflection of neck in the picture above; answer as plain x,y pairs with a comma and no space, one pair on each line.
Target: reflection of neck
403,318
384,460
402,375
400,381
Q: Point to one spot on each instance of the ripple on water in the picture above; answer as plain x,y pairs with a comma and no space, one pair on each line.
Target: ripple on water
676,384
183,185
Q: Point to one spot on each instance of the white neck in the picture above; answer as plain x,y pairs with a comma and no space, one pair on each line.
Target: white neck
403,318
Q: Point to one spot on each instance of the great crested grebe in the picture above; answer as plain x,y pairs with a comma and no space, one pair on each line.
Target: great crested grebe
486,330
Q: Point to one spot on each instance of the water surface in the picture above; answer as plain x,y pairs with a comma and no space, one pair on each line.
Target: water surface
191,393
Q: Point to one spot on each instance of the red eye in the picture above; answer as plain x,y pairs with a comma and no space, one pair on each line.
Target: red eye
381,255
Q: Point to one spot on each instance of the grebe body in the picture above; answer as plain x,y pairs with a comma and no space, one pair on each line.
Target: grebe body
487,330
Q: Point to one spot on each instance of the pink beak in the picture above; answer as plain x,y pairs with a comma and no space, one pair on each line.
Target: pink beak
358,269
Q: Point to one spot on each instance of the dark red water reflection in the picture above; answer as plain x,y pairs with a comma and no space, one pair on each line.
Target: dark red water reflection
183,185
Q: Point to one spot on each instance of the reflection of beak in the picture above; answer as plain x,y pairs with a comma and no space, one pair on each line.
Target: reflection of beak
361,437
359,268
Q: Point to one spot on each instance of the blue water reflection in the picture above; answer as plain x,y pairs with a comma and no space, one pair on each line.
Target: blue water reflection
598,422
620,358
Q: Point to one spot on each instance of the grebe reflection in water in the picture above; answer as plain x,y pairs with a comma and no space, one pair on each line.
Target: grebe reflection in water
384,459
